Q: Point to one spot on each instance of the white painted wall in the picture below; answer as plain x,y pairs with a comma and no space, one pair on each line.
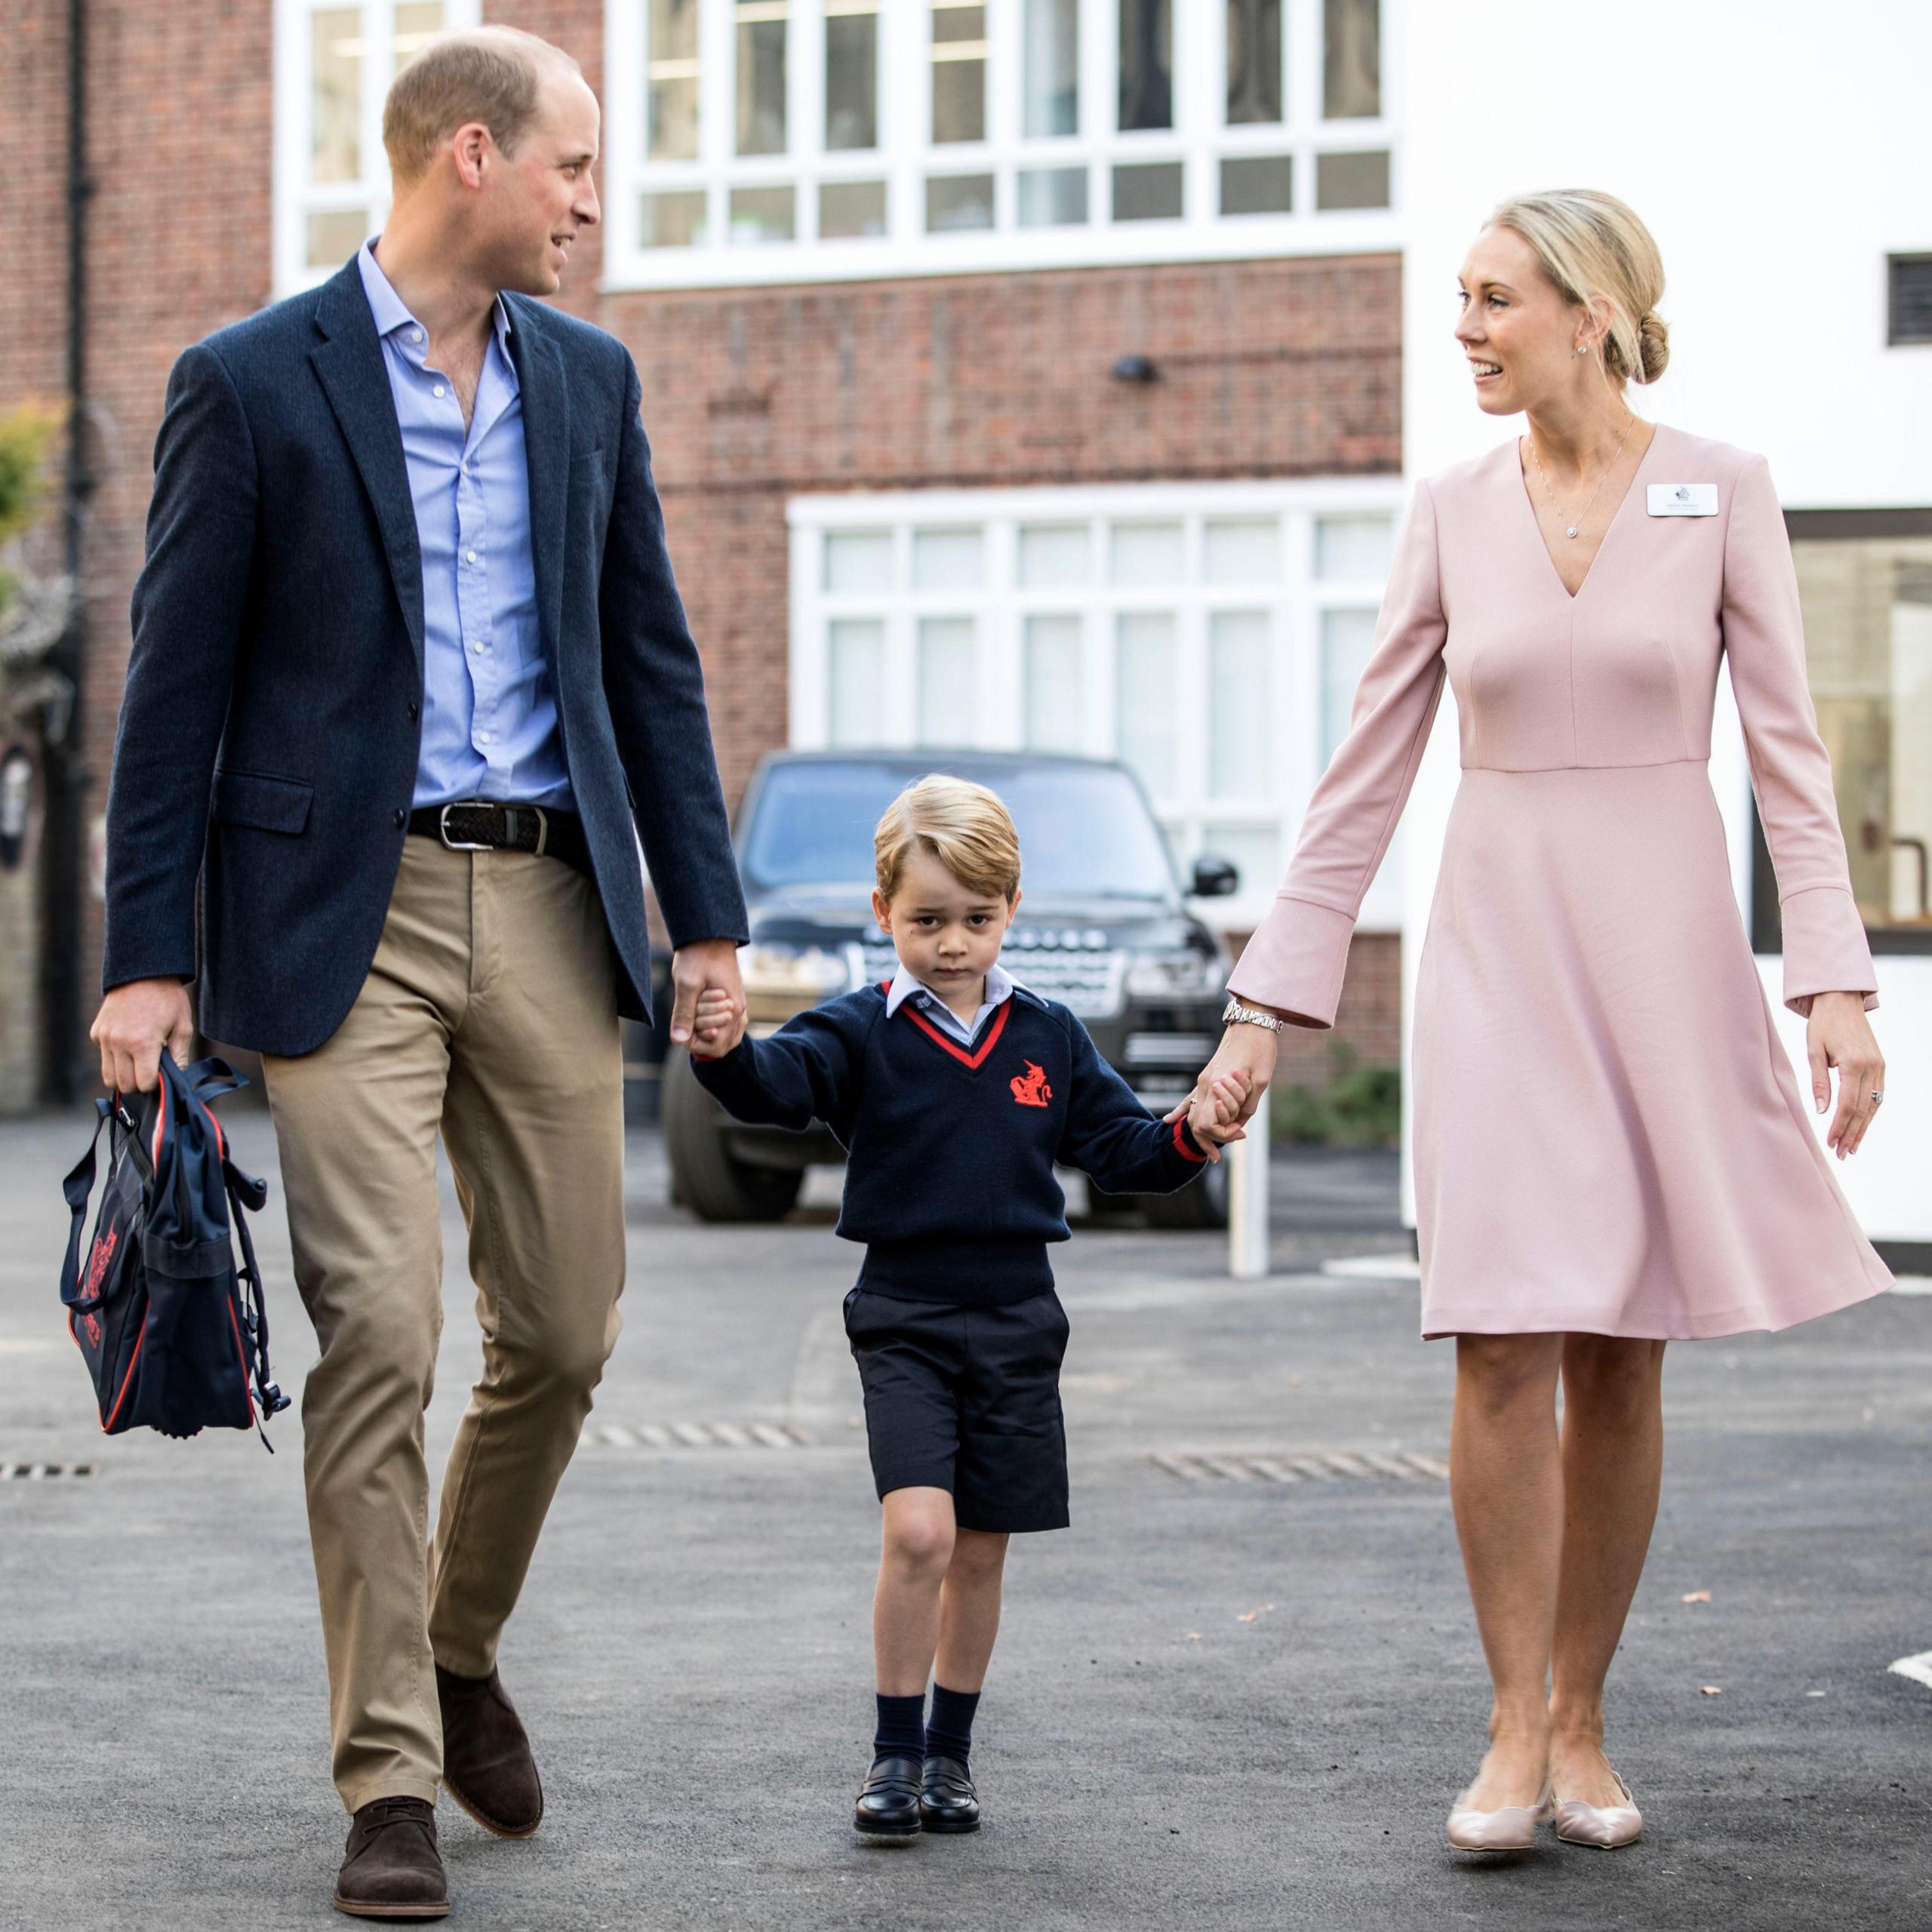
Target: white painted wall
1778,149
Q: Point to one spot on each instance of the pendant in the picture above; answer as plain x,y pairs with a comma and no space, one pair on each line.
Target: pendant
1571,531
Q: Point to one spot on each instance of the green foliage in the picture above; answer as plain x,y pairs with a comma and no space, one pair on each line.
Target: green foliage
1360,1106
26,440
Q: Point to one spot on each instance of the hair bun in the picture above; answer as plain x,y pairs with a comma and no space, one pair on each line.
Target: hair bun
1652,345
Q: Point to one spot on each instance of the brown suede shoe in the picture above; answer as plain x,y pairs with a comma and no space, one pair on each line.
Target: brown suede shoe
391,1868
487,1765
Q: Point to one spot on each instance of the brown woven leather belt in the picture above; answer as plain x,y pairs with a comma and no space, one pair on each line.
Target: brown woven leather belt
482,825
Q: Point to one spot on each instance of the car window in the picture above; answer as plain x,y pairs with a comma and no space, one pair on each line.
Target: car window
1085,831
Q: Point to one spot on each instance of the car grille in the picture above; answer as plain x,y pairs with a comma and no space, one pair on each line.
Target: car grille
1192,1051
1088,984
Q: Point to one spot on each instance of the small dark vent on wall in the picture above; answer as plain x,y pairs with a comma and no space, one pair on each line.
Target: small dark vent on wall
1908,307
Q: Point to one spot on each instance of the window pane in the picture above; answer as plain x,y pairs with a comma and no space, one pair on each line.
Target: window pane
1868,634
847,208
1146,64
1052,197
1352,549
417,23
761,29
1147,553
959,72
1240,710
1148,193
1145,699
958,200
1051,555
859,561
1348,641
1254,850
946,681
334,235
1352,181
855,708
851,74
1051,102
671,76
1254,61
674,221
1249,552
946,559
1257,184
335,97
1053,683
762,214
1351,60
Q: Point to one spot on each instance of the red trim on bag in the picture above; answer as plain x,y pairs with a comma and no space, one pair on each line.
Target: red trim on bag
1186,1152
128,1378
247,1400
959,1054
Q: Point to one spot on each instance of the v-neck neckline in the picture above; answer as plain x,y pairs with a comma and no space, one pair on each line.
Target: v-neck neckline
976,1058
1522,477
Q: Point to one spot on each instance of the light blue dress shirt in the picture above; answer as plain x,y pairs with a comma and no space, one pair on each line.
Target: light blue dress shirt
999,989
489,702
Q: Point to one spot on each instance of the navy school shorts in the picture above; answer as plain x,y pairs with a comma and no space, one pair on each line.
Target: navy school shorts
966,1400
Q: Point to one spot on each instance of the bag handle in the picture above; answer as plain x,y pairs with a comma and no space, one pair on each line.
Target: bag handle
208,1079
78,1185
244,1192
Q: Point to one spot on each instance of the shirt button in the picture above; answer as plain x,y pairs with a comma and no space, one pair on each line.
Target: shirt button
486,737
415,335
402,817
471,555
438,390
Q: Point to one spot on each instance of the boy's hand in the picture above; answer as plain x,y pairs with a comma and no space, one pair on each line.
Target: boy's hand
711,1031
1215,1118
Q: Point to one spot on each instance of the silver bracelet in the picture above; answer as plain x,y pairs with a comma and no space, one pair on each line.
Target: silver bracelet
1234,1013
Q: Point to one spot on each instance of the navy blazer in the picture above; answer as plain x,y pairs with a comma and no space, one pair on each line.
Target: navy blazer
268,736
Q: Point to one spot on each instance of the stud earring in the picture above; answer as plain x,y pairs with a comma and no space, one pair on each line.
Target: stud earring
1582,349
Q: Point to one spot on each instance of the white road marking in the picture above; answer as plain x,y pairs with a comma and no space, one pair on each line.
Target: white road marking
1918,1669
1375,1267
1912,1284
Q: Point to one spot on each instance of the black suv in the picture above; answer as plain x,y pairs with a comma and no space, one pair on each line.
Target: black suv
1102,927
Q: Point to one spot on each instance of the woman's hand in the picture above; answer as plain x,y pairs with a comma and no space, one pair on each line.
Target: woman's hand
1838,1035
1247,1050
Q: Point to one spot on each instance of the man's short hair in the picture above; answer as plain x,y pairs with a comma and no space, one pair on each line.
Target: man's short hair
492,75
962,825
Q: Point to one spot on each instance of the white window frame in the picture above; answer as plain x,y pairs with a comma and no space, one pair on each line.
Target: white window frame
1001,606
295,198
906,157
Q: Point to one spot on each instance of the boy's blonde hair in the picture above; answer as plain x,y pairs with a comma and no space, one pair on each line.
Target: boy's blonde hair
962,825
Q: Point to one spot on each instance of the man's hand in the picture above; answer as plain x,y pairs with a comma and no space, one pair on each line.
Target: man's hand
707,966
135,1023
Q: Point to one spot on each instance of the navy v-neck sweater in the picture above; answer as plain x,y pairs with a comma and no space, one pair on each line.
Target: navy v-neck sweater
949,1179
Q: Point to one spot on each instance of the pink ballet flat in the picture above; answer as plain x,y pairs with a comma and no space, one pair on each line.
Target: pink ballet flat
1512,1829
1607,1826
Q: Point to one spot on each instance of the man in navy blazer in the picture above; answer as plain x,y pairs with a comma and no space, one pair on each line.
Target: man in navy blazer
411,682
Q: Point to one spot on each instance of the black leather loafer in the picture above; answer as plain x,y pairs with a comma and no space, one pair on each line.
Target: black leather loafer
888,1806
947,1800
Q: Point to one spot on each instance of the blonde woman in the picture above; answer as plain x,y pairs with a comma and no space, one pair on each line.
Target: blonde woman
1611,1150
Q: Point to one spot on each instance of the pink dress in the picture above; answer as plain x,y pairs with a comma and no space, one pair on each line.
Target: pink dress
1608,1137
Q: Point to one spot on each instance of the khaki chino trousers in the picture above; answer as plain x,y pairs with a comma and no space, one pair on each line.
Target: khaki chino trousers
489,1017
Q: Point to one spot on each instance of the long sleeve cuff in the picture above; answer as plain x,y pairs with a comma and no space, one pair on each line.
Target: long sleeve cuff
1296,961
1826,950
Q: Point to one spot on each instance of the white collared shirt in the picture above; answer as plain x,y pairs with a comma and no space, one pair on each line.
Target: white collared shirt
905,986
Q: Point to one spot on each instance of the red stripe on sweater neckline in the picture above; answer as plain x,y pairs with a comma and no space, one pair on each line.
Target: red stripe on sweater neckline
975,1060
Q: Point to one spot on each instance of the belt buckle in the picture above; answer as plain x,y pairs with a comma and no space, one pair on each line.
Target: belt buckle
456,845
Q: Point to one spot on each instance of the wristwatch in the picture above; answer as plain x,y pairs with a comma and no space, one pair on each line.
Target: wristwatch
1251,1016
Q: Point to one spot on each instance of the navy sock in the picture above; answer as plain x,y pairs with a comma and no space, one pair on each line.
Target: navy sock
902,1728
949,1732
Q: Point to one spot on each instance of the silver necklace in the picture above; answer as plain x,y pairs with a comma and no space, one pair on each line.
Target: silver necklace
1569,529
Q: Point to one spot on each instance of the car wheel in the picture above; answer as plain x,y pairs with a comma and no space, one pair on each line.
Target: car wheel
1203,1204
705,1176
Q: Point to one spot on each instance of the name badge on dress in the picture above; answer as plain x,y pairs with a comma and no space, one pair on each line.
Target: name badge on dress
1683,499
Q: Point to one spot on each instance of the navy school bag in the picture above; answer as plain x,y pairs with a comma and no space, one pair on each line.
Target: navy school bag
175,1335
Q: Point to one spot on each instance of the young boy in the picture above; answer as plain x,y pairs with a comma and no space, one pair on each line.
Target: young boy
954,1091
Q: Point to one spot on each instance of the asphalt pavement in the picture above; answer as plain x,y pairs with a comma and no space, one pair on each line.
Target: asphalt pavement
1240,1692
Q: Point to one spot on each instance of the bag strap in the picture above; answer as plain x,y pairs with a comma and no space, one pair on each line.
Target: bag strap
77,1187
245,1193
208,1079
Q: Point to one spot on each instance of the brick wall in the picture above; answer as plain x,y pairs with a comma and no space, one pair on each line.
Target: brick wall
1269,368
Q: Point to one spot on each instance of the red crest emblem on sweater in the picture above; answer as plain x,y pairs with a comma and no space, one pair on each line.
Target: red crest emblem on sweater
1030,1089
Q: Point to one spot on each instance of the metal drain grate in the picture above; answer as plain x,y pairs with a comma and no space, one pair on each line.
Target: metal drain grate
45,1471
1302,1466
696,1435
